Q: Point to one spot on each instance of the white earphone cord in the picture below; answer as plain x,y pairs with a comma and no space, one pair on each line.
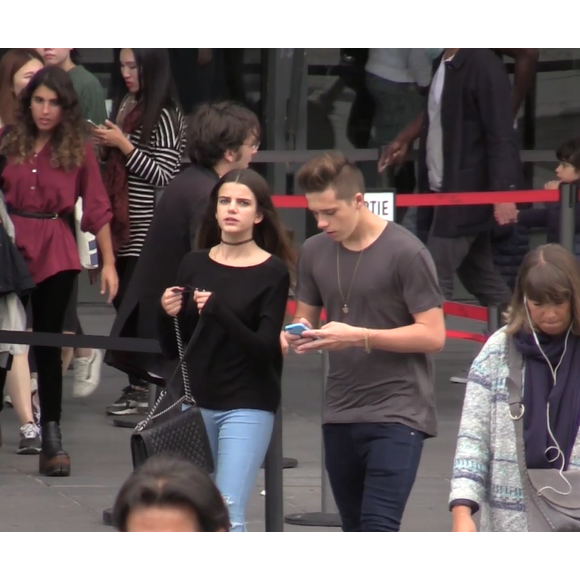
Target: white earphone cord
556,446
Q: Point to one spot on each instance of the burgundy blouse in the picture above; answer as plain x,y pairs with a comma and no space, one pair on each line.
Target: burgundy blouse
48,245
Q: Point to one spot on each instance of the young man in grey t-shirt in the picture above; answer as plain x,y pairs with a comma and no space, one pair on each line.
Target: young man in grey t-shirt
378,286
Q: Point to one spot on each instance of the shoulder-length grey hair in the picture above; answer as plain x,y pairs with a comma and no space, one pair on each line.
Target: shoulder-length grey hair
549,274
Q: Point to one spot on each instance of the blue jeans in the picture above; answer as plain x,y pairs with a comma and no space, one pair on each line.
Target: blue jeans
371,468
239,440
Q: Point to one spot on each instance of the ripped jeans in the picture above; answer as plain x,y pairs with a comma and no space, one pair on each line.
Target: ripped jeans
239,440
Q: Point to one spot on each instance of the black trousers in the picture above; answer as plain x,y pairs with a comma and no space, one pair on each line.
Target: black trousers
49,301
234,76
3,373
125,268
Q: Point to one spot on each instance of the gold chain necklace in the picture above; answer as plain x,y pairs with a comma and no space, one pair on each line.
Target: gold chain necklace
345,302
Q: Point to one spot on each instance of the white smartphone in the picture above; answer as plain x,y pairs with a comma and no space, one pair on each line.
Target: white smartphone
92,124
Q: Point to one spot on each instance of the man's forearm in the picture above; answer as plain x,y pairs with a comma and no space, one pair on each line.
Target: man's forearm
405,339
413,130
525,63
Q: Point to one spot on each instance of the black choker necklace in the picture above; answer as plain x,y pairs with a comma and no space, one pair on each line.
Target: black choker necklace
238,243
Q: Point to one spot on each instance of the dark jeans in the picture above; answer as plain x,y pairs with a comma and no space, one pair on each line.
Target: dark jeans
372,469
49,301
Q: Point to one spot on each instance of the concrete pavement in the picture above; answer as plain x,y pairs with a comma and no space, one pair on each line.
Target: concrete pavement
101,457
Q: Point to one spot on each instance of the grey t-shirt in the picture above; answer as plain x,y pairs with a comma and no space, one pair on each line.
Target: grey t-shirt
396,278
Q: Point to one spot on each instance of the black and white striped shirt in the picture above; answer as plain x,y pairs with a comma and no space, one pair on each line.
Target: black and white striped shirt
151,167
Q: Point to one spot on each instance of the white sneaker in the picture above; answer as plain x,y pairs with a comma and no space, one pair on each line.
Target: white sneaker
87,374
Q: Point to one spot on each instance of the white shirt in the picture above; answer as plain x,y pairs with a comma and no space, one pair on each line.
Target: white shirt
434,156
400,65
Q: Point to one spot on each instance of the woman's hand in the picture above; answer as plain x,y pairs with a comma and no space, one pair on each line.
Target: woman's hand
112,136
172,300
462,519
552,184
109,281
200,297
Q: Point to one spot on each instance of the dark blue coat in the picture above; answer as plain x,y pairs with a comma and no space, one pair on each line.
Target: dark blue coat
510,244
549,217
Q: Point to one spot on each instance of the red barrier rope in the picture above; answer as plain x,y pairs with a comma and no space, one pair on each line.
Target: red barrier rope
460,335
468,311
435,199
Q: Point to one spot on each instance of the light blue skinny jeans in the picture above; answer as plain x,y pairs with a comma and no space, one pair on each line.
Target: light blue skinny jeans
239,440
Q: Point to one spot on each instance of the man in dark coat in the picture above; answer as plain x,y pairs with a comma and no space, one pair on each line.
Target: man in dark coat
221,137
467,143
194,71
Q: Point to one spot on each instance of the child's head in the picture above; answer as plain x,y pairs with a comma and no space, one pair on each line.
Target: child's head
569,157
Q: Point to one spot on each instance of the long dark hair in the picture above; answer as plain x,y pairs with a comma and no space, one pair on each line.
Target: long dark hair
156,87
68,138
269,234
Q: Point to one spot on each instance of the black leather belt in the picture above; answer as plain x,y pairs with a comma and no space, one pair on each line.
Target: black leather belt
33,214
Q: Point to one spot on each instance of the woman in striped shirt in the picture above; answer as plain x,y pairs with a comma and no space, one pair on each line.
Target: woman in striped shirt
143,150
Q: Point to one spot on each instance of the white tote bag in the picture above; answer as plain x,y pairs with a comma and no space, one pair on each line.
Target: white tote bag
86,242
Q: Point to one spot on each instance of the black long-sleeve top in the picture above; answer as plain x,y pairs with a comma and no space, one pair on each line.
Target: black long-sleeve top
237,361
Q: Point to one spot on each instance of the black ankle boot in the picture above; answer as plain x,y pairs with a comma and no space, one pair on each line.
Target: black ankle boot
54,460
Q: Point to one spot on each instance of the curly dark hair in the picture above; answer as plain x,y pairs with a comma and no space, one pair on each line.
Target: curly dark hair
68,138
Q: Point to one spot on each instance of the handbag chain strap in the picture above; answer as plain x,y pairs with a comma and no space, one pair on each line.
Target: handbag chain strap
187,397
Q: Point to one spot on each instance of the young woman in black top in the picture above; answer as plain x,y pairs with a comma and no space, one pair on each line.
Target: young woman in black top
238,281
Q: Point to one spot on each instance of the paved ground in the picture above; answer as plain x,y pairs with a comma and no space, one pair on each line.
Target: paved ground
101,457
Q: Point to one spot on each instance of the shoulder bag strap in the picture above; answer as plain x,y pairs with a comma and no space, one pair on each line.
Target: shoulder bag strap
188,398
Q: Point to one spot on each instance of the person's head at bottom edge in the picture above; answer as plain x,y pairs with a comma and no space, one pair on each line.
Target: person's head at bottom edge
169,494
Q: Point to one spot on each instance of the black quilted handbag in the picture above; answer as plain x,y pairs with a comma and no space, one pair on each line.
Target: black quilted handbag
181,433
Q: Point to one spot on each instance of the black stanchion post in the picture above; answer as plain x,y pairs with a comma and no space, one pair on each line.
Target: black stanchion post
274,480
328,516
493,319
568,201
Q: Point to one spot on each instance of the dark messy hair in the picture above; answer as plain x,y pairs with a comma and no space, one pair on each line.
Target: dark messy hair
68,138
166,481
569,152
216,128
549,274
331,170
156,87
269,234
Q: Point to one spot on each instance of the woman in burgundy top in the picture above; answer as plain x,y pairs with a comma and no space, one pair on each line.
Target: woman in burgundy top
49,165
